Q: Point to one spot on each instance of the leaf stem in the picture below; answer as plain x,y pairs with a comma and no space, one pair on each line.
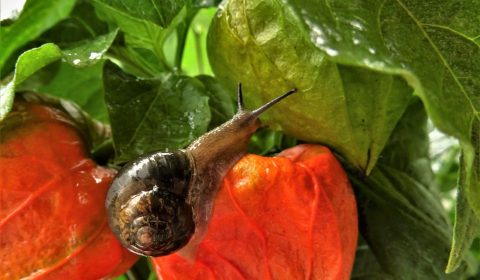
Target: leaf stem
85,25
117,55
131,275
198,49
182,32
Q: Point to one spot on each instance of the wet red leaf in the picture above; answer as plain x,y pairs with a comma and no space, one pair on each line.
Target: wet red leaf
52,217
288,217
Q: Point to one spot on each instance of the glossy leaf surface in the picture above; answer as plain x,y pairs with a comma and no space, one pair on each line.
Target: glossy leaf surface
146,25
53,223
84,86
288,217
36,17
352,110
35,59
415,222
154,114
401,217
220,102
160,13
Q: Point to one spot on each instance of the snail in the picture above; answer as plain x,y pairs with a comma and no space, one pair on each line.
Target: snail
162,201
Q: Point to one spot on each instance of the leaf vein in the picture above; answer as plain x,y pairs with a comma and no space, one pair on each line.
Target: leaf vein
453,31
137,128
158,12
440,56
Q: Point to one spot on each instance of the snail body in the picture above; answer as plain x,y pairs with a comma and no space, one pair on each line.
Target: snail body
162,201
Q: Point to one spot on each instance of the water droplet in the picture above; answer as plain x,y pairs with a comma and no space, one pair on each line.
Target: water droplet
356,41
374,64
98,174
76,61
95,55
319,41
82,198
318,35
357,25
242,183
371,50
447,203
331,52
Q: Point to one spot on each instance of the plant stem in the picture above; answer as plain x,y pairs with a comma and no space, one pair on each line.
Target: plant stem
182,32
131,275
198,49
117,57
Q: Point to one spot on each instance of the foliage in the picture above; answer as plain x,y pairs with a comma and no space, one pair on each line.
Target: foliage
369,74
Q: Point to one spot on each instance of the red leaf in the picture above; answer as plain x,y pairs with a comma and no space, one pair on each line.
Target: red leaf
288,217
52,217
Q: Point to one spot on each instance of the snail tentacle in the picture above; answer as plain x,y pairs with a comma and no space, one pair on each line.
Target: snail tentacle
162,201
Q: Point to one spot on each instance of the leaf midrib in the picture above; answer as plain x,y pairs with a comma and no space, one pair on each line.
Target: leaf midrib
142,120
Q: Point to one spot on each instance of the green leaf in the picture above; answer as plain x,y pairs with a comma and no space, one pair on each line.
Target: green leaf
432,44
146,25
408,146
36,17
404,225
84,86
352,110
35,59
437,57
220,102
153,114
401,218
445,158
89,52
160,13
269,142
195,58
82,24
147,31
467,225
467,219
366,266
27,64
429,43
471,168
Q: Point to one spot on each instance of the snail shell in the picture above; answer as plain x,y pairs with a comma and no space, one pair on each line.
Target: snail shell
146,204
161,201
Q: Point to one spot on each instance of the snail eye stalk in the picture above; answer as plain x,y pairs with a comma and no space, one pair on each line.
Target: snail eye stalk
160,202
240,98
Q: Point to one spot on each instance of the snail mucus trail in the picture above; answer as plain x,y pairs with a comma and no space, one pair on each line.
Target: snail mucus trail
161,201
